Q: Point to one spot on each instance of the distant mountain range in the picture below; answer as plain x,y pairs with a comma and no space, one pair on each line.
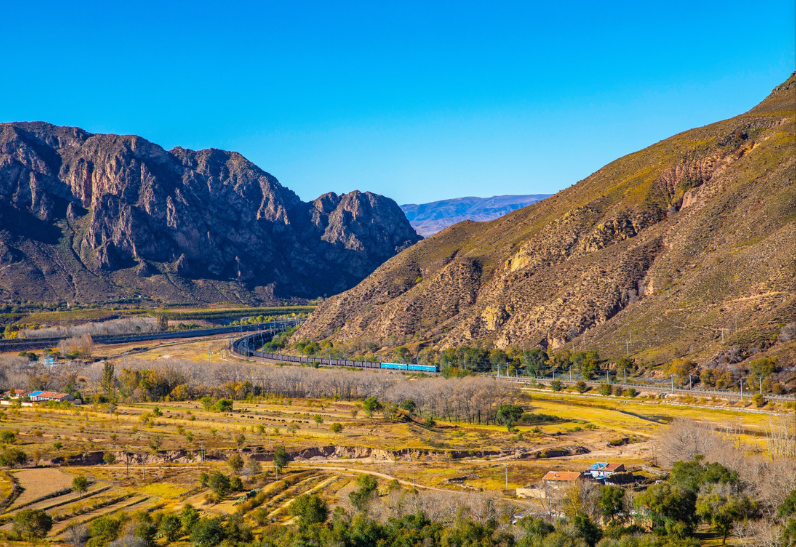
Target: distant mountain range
684,249
101,218
430,218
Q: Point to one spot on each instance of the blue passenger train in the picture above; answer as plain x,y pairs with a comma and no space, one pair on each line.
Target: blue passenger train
243,347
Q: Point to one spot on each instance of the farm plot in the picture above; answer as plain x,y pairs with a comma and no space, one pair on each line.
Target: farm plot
37,484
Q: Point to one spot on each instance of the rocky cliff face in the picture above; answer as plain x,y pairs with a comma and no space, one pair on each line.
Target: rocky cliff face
88,217
685,248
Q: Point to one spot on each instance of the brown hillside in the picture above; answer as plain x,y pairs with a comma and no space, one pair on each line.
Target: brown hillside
665,247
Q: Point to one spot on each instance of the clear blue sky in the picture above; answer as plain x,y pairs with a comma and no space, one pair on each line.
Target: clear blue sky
415,100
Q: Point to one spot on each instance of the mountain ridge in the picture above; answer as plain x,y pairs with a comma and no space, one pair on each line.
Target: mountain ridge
647,249
92,217
430,218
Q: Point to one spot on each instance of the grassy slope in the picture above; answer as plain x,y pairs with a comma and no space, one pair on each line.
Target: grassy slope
564,267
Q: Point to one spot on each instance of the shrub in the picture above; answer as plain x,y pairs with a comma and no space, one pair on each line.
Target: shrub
223,405
32,524
7,436
208,532
631,392
109,458
555,385
219,484
605,389
759,400
336,428
581,386
13,457
310,509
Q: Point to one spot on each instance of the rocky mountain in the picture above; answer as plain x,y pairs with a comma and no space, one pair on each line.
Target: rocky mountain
88,217
429,218
685,248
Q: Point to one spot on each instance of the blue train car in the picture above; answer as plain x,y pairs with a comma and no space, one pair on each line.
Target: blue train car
394,366
424,368
403,366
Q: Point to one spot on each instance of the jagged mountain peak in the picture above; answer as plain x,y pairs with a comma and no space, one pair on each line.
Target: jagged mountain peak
83,214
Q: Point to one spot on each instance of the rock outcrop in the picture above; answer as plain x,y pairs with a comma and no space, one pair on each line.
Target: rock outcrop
87,217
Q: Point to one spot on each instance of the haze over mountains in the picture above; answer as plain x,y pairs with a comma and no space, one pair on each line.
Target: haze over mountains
96,218
429,218
685,248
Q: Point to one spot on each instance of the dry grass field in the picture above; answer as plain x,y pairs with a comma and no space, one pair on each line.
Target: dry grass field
157,448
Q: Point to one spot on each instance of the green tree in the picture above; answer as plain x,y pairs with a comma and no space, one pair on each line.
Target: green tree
310,509
336,427
371,405
535,361
188,517
366,486
281,458
32,524
80,484
207,402
170,527
237,532
670,508
722,508
105,529
508,415
235,463
223,405
208,532
409,405
108,379
7,436
694,474
611,501
787,512
219,484
109,458
586,529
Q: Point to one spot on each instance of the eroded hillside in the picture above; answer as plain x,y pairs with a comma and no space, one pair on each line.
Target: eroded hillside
661,254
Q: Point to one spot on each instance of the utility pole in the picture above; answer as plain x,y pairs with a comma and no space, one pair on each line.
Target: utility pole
570,373
690,385
741,389
722,335
627,348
